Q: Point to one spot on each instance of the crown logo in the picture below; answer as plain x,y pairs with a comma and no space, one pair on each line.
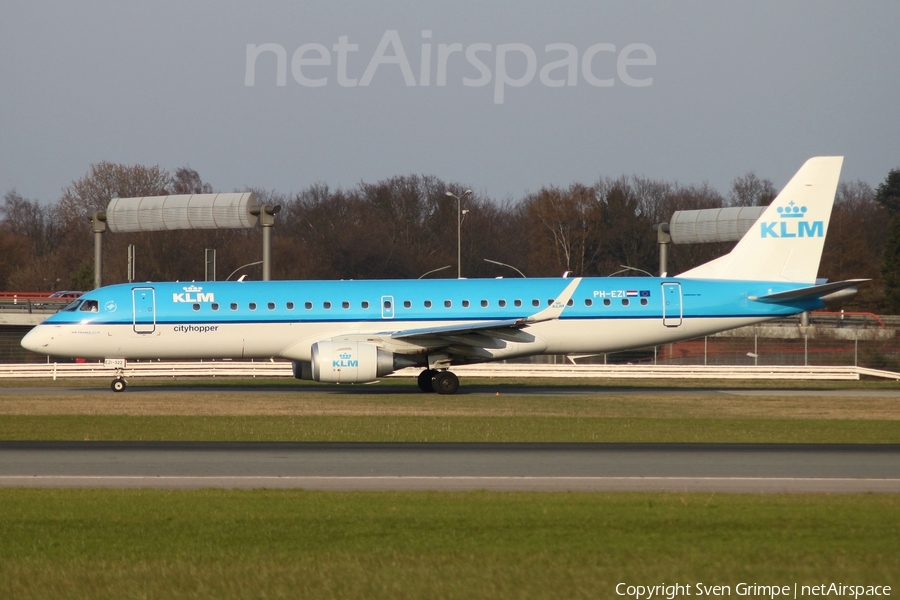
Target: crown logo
192,289
791,211
345,355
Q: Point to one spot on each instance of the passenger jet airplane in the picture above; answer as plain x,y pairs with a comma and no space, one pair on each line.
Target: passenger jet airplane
357,331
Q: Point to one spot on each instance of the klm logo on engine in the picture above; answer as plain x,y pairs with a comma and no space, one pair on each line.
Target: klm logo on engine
792,224
344,359
193,294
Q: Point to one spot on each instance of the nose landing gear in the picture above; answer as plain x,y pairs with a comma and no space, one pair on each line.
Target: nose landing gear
118,385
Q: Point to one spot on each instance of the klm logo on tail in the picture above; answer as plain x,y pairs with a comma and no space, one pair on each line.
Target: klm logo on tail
792,224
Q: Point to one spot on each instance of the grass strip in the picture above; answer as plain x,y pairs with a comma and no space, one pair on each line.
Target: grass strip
292,544
444,429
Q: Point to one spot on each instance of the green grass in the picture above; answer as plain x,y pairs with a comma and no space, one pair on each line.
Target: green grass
294,544
444,429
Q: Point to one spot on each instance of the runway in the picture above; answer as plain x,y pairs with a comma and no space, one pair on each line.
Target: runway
473,387
754,468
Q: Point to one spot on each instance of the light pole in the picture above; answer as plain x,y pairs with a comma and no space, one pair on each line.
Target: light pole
434,271
459,215
259,262
497,262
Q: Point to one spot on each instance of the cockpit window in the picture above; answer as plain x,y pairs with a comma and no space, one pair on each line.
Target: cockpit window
90,306
72,306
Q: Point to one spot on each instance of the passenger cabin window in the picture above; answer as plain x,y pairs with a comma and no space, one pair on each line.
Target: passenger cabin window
643,302
90,306
234,306
387,303
517,302
606,302
271,305
535,302
253,306
549,301
345,304
308,305
428,304
326,305
447,304
290,306
407,304
215,306
588,302
484,303
501,303
570,302
465,303
365,304
625,302
196,306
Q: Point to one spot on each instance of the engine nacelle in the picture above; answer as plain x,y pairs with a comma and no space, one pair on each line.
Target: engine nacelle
345,362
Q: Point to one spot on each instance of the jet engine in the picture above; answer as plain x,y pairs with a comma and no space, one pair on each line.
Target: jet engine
345,362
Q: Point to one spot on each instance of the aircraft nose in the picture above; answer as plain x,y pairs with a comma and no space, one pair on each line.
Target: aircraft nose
38,340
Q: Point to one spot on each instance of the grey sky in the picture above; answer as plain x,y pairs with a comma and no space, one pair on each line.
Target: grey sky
737,87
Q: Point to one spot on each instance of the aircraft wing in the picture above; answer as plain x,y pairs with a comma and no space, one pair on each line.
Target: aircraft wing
431,332
486,333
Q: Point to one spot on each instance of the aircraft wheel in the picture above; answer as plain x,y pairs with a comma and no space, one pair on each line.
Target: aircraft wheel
445,382
425,378
118,385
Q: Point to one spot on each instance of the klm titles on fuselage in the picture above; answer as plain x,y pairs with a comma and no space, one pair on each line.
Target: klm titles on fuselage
193,294
792,224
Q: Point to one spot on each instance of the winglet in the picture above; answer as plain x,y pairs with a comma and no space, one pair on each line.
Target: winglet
555,309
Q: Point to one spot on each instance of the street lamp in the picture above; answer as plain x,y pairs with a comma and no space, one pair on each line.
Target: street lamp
259,262
459,216
497,262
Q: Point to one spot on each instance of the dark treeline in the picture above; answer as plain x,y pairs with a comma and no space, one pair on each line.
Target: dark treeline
405,226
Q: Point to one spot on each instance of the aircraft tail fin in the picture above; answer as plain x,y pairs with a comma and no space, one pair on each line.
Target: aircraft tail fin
786,243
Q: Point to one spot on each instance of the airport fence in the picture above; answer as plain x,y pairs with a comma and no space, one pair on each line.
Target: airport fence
253,369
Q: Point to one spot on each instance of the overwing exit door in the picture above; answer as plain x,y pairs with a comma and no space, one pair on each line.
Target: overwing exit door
387,307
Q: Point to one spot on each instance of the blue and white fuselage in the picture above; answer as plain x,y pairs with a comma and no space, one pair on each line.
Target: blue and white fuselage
355,331
285,318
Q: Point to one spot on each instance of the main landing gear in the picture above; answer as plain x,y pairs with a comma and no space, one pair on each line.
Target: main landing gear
442,382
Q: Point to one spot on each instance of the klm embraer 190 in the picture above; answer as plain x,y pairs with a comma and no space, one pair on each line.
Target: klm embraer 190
357,331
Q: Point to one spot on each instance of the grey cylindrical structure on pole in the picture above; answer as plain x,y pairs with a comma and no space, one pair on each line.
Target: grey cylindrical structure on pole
98,226
713,224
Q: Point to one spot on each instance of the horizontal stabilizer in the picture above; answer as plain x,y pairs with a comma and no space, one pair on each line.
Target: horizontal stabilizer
805,293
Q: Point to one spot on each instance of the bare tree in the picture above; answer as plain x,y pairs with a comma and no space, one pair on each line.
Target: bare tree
750,190
106,181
